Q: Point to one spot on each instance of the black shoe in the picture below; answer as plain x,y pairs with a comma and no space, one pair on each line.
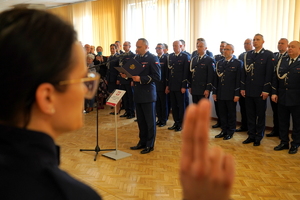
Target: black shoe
227,137
293,149
124,115
172,127
158,123
217,125
248,140
281,147
272,134
178,129
161,124
241,129
138,146
130,117
113,113
256,143
147,150
220,135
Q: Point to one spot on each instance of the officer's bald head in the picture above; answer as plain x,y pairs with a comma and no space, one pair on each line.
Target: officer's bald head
294,49
248,44
177,45
141,46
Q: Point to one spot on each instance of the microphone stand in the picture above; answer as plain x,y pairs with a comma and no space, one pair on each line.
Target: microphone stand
97,148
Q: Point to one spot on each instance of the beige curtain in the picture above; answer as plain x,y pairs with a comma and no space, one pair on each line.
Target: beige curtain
97,23
296,35
236,20
156,20
215,20
106,18
102,22
82,21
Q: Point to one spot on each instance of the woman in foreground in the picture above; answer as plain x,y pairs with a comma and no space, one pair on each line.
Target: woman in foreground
43,83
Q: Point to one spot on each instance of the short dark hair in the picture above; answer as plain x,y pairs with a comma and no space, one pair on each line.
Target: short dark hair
258,34
166,46
24,66
113,45
182,42
145,41
200,39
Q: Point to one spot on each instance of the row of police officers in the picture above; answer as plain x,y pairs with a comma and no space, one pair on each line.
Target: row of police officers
254,77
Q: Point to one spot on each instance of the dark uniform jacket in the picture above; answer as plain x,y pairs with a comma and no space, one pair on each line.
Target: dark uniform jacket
145,90
220,57
287,88
201,74
29,169
103,67
112,74
186,53
227,79
161,85
123,60
258,77
195,53
278,57
178,71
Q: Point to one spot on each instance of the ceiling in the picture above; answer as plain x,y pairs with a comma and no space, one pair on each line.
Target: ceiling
7,4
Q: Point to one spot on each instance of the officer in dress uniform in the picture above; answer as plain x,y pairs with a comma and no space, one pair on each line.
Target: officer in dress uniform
161,103
221,56
166,49
217,58
227,91
187,98
282,48
244,127
112,76
202,69
195,53
183,48
286,93
177,83
145,96
255,87
119,47
126,83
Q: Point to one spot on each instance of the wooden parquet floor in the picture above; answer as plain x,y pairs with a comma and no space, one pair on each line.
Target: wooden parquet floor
262,173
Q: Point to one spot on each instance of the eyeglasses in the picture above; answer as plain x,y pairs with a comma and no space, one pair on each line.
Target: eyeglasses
158,48
227,49
91,82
